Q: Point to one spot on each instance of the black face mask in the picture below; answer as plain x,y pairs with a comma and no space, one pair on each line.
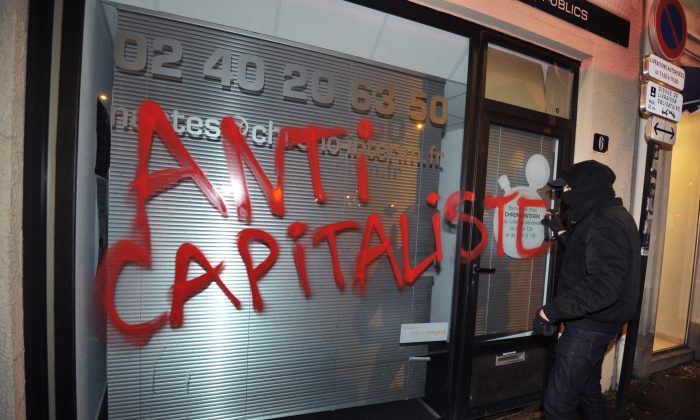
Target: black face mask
576,198
580,203
566,197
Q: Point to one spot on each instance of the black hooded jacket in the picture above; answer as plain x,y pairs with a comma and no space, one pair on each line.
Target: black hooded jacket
598,285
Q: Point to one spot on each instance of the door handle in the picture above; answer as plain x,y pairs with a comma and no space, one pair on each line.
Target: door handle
477,269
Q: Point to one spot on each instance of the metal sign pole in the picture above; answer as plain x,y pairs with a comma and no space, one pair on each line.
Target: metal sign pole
644,234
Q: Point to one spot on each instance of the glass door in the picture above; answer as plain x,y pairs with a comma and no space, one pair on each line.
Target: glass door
518,168
511,277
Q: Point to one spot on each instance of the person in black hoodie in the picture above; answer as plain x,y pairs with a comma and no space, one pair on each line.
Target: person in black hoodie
597,289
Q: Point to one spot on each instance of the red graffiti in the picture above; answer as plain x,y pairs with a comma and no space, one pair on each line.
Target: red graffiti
310,137
183,289
113,261
328,233
369,255
523,203
146,185
364,132
451,214
237,150
136,249
245,237
295,231
500,204
412,273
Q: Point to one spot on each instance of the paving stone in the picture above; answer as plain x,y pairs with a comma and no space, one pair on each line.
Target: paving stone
670,394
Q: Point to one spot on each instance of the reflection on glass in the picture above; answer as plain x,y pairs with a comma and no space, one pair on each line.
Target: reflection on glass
518,168
334,341
523,81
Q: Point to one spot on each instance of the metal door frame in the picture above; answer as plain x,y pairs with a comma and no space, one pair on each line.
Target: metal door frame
485,113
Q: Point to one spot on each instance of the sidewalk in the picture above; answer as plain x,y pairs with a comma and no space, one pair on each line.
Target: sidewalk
669,394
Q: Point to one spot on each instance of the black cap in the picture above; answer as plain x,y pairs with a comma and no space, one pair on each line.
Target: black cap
589,174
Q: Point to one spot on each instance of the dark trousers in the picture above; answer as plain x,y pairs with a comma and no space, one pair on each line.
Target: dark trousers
575,376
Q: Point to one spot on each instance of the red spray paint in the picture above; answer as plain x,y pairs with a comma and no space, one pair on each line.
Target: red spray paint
328,233
310,137
364,132
412,273
245,237
369,255
184,289
136,250
145,186
295,231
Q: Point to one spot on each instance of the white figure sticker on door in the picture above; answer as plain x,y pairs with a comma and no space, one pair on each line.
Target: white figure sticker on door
537,172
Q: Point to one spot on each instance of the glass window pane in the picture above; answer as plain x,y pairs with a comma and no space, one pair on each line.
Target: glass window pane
261,311
680,241
518,168
523,81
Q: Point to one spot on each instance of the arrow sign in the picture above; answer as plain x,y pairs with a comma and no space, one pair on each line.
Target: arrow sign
657,129
668,113
660,130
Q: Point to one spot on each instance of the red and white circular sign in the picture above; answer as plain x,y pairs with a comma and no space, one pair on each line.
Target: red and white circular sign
667,28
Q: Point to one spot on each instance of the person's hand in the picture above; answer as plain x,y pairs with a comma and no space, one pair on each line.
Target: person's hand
554,224
542,325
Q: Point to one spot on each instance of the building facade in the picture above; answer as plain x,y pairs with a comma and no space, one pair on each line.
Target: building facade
280,209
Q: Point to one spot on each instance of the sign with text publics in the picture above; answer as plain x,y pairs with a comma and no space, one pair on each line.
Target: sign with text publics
587,16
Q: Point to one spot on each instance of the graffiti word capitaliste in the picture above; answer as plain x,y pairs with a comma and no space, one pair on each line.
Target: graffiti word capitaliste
136,249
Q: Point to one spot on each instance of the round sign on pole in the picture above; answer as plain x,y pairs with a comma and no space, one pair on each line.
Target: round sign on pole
667,28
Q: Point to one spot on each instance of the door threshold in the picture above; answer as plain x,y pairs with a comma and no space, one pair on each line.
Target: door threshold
665,359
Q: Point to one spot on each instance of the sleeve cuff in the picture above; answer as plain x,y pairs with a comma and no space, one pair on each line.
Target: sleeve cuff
552,311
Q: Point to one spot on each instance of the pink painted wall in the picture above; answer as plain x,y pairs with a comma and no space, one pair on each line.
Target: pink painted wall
13,45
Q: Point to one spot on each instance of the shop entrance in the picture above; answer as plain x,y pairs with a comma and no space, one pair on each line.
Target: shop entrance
332,299
521,145
513,276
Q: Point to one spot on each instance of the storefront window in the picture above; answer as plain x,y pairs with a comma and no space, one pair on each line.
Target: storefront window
681,239
277,236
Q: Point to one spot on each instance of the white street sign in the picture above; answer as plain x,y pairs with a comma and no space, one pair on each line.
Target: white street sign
661,101
659,69
660,130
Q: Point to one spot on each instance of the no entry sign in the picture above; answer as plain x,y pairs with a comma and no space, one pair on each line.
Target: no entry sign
667,28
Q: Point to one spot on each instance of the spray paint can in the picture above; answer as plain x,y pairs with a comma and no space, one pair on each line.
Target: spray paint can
549,234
